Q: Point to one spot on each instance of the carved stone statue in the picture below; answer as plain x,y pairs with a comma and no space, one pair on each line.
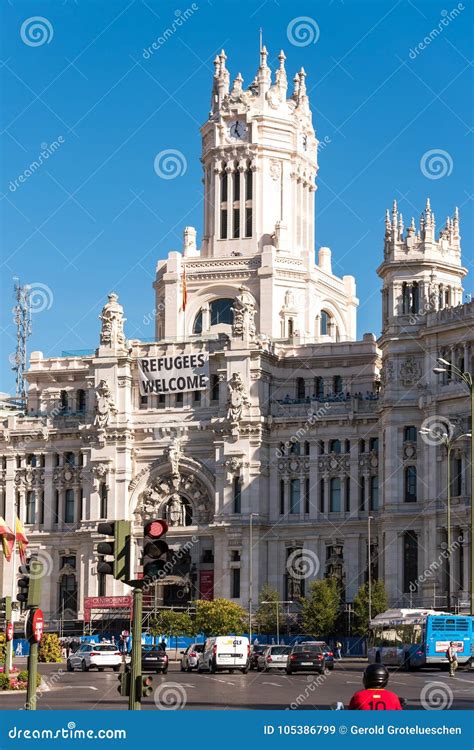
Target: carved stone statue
105,406
244,315
112,323
176,511
237,398
174,454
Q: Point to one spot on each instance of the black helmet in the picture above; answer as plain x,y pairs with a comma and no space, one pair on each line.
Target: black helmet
375,676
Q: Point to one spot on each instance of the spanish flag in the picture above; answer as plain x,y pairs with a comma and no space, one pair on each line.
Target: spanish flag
21,540
8,539
184,291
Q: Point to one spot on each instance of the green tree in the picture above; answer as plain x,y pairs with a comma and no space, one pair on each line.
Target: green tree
174,624
361,605
49,648
321,607
220,617
266,614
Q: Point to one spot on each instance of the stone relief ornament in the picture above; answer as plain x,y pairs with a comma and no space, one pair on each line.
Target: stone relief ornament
244,315
233,466
182,502
410,371
112,323
237,398
105,406
275,170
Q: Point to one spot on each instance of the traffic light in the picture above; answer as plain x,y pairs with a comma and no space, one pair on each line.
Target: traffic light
146,685
155,549
117,547
124,680
29,586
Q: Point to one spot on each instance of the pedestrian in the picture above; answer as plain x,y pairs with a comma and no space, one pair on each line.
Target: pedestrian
452,656
163,645
339,650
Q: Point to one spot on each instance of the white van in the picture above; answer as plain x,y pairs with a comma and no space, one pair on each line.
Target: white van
225,652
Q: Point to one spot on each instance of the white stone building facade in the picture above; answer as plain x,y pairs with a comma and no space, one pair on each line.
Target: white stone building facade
270,474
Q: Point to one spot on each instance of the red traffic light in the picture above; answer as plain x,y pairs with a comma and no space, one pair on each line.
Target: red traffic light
155,529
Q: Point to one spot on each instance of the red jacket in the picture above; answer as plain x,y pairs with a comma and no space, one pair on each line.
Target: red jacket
375,699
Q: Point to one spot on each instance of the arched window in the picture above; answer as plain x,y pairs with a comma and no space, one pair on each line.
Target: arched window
415,298
409,434
405,298
64,401
69,507
335,495
325,328
197,325
410,484
30,507
319,387
81,401
335,446
295,448
68,595
221,311
337,384
300,388
374,493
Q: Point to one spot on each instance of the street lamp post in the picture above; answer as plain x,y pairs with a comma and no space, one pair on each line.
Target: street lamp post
251,574
467,379
449,442
369,557
278,602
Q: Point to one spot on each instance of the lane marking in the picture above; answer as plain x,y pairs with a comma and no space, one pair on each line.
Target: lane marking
275,684
80,687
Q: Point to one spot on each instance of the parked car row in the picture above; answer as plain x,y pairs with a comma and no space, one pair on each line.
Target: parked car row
234,653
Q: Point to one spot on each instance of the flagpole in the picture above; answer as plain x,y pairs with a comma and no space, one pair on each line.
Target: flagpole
13,589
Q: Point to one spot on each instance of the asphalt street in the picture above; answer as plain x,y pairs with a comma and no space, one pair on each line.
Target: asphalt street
275,690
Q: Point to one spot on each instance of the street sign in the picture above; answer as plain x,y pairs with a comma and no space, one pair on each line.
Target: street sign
35,625
9,631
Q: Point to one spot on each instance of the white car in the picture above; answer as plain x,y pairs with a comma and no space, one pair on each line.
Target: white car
274,657
95,656
190,657
225,652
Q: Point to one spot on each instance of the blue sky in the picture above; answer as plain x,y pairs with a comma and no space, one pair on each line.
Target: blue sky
95,216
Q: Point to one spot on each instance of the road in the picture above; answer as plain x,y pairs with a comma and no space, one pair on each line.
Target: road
96,691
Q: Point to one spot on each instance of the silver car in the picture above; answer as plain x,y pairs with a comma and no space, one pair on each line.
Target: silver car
273,657
190,657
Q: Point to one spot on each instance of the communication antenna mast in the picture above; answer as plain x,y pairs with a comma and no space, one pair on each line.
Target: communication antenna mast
22,312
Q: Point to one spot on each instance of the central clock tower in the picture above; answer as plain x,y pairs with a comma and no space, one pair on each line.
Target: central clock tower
259,157
259,153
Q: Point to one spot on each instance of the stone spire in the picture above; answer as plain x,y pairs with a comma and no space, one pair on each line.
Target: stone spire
237,85
280,76
264,76
223,77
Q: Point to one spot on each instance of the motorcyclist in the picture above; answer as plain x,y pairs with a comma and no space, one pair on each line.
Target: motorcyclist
375,697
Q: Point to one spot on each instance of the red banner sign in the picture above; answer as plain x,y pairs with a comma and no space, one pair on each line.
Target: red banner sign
9,631
206,584
105,602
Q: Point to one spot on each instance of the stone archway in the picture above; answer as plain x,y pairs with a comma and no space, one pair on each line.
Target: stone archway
180,491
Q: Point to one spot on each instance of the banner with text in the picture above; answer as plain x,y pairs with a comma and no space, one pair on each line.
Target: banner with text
173,374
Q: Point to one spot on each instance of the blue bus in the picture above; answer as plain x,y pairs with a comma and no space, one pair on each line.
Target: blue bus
414,638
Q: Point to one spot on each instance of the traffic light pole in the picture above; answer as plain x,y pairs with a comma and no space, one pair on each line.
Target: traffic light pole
135,697
32,673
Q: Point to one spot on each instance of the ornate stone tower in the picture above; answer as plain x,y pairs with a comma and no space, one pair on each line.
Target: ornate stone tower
420,273
259,156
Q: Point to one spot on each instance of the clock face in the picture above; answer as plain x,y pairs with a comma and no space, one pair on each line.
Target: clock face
237,129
